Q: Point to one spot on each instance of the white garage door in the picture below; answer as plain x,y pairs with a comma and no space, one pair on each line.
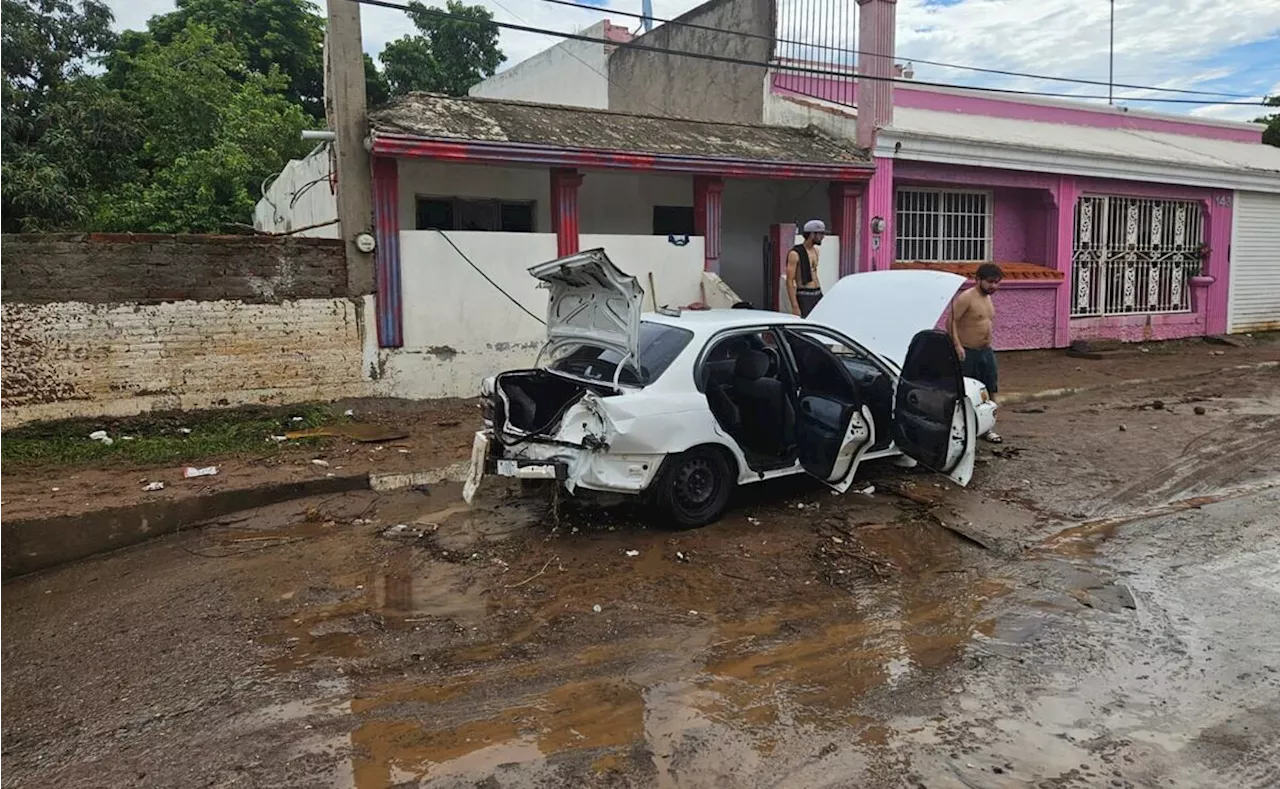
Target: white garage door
1255,263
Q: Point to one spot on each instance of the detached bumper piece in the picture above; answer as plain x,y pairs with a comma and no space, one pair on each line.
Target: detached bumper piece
527,469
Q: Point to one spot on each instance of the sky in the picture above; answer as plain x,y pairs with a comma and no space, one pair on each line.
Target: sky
1192,44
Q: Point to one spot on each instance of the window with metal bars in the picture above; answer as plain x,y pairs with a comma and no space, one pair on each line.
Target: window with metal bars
1134,255
942,225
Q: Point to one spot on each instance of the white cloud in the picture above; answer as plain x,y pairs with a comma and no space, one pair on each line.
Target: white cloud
1165,43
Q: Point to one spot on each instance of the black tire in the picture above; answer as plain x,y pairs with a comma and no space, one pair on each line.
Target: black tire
694,488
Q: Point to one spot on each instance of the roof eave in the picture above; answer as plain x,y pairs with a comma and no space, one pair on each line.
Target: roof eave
491,152
938,149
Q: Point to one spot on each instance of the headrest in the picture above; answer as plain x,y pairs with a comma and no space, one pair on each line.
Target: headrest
751,365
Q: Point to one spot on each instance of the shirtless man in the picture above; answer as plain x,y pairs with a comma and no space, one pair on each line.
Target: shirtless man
972,316
803,286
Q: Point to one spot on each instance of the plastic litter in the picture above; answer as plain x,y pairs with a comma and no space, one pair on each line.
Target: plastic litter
596,608
184,430
154,486
319,462
101,435
207,471
868,490
349,412
633,553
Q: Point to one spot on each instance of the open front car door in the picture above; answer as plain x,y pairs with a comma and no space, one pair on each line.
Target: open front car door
833,428
933,421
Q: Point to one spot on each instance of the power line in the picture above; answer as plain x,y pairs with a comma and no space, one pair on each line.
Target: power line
843,50
431,12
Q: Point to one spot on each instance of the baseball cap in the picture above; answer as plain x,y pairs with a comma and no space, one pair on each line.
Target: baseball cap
815,226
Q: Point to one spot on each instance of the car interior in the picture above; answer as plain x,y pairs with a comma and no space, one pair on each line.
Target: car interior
875,386
750,391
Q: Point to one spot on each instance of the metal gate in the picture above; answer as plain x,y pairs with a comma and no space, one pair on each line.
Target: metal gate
1134,255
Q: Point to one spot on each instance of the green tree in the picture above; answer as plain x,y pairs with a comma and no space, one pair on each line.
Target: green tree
1271,136
62,132
214,130
377,91
448,55
287,35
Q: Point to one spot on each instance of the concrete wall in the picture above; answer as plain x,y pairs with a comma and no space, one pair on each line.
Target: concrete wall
302,196
622,203
459,329
440,179
108,325
658,84
572,73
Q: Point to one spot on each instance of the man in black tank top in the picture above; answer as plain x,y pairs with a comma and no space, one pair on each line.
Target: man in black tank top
803,286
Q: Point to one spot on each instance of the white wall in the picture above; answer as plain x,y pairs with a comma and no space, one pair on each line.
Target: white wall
300,197
458,328
128,358
622,203
572,73
441,179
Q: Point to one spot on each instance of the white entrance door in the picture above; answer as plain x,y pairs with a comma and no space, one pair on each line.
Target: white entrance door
1255,263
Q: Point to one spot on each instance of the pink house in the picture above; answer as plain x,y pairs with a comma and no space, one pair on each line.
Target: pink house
1110,223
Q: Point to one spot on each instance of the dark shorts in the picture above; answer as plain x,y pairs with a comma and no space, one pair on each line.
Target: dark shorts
807,298
980,364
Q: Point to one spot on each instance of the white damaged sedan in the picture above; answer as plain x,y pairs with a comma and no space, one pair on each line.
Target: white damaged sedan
680,407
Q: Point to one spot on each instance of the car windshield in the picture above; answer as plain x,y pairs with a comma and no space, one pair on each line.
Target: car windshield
659,346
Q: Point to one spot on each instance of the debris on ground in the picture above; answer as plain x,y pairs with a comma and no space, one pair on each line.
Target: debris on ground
150,486
868,490
1200,410
356,431
101,435
320,462
403,531
633,553
207,471
596,608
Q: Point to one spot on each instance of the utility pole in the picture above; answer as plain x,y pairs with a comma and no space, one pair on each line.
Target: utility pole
345,106
1111,54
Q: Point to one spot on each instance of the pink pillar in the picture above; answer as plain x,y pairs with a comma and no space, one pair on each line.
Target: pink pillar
389,310
564,209
877,249
708,191
1060,243
877,20
1217,234
844,224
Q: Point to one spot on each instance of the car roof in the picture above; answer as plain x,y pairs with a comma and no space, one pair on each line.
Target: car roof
710,321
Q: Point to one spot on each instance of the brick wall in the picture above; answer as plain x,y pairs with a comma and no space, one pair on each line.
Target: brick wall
115,325
146,269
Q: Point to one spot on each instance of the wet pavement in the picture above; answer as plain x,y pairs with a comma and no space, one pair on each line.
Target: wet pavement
1099,609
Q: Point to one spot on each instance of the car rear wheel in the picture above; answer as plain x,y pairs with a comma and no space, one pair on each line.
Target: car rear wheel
695,487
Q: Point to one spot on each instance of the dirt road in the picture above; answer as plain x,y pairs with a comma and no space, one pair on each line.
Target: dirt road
1098,609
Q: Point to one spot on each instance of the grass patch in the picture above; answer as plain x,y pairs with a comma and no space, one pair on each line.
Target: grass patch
157,438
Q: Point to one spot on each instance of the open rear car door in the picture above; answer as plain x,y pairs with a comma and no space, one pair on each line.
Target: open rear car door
933,421
833,428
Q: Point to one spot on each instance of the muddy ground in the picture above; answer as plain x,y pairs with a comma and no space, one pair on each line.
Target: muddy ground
1099,608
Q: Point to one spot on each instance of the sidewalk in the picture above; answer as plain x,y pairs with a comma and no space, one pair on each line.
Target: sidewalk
440,433
1026,375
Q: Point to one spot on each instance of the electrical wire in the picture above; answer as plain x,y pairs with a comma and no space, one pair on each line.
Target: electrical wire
843,50
431,12
495,285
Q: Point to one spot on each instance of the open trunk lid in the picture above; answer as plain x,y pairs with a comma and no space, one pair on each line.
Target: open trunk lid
883,310
592,302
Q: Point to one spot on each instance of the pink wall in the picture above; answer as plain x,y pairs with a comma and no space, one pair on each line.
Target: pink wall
1020,216
1139,328
1024,315
843,91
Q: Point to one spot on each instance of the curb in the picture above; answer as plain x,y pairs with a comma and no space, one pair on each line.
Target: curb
1015,398
36,544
